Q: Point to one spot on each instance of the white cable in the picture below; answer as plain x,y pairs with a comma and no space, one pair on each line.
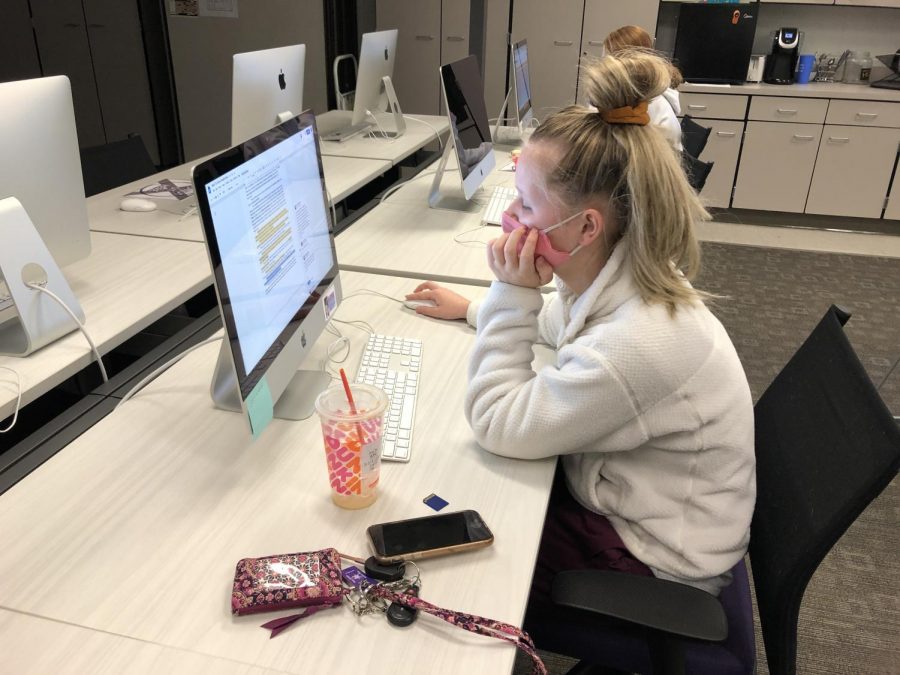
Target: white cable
391,190
18,400
381,130
87,337
430,126
368,291
464,242
159,371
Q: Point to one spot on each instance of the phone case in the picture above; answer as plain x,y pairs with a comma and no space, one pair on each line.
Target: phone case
284,581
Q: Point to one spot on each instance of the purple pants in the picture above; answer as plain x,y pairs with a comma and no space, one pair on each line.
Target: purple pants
577,539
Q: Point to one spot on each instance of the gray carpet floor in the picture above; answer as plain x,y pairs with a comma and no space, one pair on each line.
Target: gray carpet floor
770,299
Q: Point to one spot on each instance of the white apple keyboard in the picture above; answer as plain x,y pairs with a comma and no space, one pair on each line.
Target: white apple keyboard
393,364
501,198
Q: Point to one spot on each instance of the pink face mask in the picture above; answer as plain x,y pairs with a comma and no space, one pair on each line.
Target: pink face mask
543,248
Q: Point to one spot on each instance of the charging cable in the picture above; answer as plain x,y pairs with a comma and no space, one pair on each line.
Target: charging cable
18,400
430,126
163,368
391,190
38,287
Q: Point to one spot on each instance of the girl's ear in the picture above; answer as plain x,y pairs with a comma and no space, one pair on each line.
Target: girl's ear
593,225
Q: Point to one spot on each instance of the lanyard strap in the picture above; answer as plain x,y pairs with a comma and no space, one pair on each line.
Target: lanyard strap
472,623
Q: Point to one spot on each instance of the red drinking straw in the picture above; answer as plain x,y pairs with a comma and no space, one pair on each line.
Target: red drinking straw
352,405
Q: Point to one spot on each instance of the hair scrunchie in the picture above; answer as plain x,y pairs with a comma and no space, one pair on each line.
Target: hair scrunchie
627,115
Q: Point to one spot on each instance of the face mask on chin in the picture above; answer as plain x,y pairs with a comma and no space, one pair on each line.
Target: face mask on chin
544,248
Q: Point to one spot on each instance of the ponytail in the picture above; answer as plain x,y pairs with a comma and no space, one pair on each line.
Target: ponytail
635,170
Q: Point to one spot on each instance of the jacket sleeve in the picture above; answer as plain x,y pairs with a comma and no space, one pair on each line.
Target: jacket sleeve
517,412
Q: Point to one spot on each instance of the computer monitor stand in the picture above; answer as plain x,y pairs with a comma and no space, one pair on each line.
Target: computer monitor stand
394,107
511,134
296,403
456,200
24,258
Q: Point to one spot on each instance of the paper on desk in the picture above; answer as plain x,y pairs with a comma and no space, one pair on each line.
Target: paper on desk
165,189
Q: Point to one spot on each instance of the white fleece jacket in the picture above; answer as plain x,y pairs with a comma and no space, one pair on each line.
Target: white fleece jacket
651,412
664,110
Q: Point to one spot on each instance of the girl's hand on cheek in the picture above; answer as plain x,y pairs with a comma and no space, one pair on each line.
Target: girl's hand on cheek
519,269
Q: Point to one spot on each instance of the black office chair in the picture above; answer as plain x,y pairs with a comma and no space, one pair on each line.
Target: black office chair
106,166
693,136
826,446
697,170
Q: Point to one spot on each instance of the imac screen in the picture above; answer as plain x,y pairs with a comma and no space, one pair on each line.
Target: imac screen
270,245
467,112
523,83
266,87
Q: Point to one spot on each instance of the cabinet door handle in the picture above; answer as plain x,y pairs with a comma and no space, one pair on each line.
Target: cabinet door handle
838,139
71,25
869,116
696,106
563,43
455,38
787,111
424,37
803,138
595,43
726,134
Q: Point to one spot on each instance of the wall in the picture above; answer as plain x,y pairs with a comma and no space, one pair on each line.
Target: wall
201,57
826,28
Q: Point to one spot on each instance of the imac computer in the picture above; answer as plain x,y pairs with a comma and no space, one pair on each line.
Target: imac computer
40,166
374,91
266,89
520,91
470,141
266,223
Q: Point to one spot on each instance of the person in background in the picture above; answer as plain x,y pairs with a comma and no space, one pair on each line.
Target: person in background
665,108
647,404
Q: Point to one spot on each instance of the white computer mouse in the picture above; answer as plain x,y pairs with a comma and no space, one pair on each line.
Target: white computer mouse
137,204
412,304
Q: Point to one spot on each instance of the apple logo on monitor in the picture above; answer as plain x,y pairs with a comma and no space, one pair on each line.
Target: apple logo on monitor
281,82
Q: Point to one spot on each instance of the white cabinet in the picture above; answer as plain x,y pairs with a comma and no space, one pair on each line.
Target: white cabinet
601,17
776,166
853,171
553,31
416,79
722,148
454,31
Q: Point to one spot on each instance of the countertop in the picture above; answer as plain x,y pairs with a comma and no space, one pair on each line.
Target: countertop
812,90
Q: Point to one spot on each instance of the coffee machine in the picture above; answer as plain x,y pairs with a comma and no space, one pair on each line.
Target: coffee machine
782,62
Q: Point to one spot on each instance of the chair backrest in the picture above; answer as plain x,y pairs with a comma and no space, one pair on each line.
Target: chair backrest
826,446
693,136
697,170
104,167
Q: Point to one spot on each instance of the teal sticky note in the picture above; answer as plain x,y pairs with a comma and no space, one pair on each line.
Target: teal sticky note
260,407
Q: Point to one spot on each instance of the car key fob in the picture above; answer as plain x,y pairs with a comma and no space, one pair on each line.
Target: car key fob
384,571
401,615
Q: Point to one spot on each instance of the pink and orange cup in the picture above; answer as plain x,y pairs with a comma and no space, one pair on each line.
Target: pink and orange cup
352,431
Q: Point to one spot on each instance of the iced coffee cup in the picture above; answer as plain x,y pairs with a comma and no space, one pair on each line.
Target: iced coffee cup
353,442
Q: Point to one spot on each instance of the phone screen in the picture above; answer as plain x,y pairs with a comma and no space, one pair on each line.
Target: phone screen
432,532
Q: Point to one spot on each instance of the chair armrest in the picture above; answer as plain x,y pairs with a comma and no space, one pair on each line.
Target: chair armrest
647,601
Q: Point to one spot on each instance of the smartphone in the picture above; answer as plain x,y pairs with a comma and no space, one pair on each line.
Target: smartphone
429,536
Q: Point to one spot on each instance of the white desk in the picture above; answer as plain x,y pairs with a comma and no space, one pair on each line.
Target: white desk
121,291
395,150
39,646
343,176
135,528
403,236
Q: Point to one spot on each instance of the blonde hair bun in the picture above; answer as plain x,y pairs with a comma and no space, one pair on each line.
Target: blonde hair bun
625,78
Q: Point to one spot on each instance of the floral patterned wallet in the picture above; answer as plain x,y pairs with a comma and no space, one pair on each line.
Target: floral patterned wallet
280,582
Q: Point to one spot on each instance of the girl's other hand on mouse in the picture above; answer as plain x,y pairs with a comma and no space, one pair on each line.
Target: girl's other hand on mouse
519,269
447,304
